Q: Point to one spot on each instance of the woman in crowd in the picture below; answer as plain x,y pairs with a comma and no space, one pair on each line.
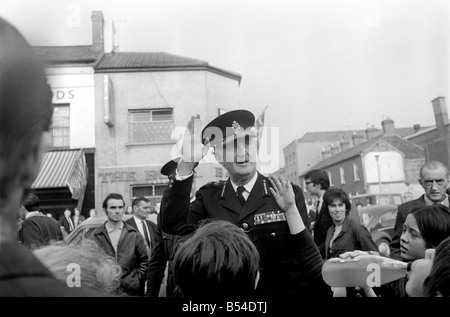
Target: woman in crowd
345,234
425,228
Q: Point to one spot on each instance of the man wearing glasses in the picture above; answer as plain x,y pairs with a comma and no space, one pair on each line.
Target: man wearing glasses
317,183
435,180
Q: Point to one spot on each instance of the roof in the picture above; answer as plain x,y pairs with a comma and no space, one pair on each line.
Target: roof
328,136
421,132
63,169
410,150
68,54
156,61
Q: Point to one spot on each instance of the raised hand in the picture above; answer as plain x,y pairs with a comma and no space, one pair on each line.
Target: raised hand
283,192
284,195
193,150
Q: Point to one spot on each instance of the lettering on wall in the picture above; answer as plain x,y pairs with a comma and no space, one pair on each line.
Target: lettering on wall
130,176
63,95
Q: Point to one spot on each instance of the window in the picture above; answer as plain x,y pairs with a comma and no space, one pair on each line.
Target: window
330,178
356,172
150,125
342,173
219,172
148,191
60,128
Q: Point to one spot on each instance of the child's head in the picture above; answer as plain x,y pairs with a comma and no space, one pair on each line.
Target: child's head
218,260
424,228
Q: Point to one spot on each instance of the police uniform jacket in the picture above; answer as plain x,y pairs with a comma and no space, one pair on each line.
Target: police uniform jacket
260,217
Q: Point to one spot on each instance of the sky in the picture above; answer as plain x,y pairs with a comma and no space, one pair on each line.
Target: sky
318,65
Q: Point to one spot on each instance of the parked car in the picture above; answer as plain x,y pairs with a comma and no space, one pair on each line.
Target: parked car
380,221
87,228
376,199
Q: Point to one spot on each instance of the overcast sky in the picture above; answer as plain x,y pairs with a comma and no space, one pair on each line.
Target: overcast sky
318,65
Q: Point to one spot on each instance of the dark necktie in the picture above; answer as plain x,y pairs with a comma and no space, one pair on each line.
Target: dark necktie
241,198
144,227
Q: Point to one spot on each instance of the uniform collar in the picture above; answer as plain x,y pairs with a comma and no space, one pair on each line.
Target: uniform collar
249,186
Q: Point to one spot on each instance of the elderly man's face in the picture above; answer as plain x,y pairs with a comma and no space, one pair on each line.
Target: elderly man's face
238,157
435,182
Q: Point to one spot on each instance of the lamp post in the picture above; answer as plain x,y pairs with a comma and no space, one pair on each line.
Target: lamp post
378,171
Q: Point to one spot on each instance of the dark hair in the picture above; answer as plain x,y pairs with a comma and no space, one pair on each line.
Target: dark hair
433,223
218,260
438,282
112,196
320,177
25,106
337,193
137,200
31,203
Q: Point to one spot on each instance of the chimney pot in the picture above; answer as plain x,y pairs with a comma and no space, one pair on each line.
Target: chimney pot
388,126
440,112
97,30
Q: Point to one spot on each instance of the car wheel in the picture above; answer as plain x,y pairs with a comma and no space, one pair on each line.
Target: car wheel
383,247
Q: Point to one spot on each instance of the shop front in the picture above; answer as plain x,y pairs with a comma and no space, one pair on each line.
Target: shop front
61,182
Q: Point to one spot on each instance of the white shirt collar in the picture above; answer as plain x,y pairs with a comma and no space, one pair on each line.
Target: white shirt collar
445,202
249,186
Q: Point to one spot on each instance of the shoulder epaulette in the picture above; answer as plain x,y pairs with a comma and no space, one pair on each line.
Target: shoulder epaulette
218,185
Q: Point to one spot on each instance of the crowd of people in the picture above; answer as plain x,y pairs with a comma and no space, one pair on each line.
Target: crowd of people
248,237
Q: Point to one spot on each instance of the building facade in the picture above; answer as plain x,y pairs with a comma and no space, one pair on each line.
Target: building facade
436,140
66,178
143,104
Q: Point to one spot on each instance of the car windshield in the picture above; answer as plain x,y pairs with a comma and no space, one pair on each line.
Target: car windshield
365,218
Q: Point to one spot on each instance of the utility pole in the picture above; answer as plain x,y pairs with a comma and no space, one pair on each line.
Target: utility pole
377,157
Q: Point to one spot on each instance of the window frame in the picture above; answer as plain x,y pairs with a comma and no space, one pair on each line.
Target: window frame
132,124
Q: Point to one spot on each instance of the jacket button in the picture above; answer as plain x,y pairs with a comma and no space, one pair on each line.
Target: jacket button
273,234
244,226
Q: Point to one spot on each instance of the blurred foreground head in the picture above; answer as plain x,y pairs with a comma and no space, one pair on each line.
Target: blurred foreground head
97,270
25,117
219,260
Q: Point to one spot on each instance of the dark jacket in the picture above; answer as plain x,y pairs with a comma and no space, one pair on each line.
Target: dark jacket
131,256
162,256
23,275
322,224
39,230
353,236
65,223
403,211
260,218
151,228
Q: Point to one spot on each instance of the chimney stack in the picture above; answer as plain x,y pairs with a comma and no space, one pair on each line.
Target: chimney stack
345,145
388,126
335,149
357,139
440,112
416,128
97,30
371,132
326,153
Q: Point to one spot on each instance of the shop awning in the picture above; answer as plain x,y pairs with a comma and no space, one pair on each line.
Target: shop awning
63,169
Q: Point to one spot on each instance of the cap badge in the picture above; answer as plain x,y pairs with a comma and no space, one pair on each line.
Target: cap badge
236,126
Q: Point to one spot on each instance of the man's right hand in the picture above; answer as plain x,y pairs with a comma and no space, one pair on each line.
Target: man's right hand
193,150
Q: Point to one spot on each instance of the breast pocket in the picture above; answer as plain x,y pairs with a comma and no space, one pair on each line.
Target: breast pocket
272,240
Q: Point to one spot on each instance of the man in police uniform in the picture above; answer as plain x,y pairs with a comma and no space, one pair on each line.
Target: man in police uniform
244,200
